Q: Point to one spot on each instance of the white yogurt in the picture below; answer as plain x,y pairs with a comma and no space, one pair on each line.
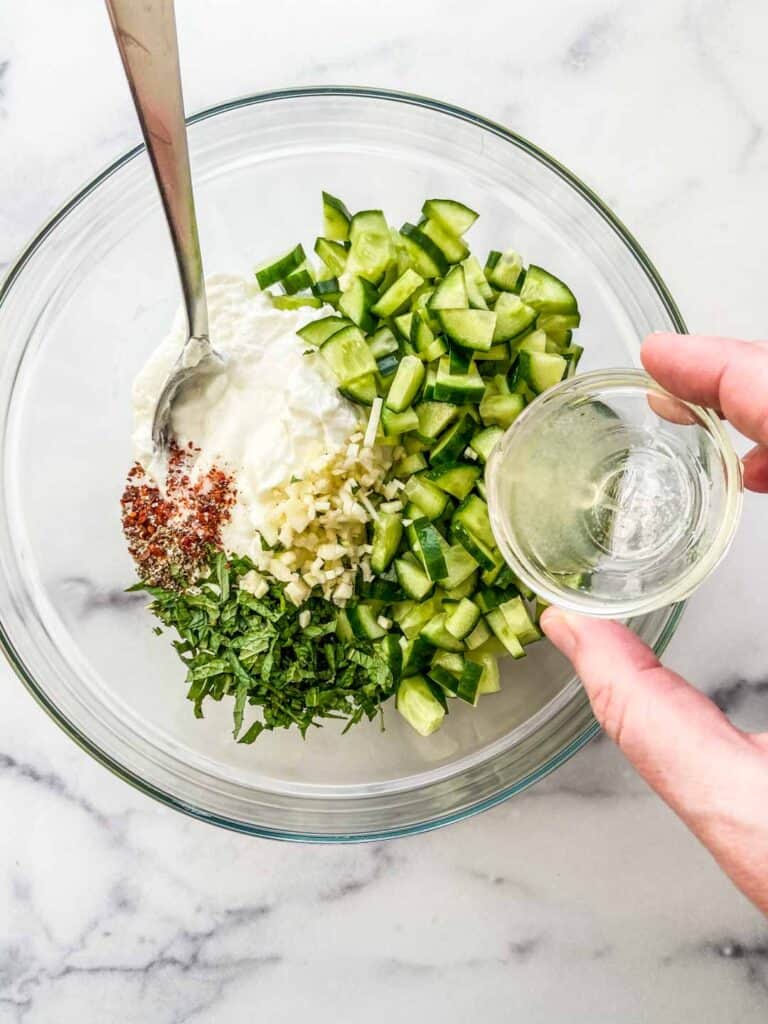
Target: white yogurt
272,414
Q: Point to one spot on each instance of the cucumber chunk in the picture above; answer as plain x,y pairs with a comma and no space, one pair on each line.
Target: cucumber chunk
336,218
472,328
458,388
371,249
277,270
462,619
456,478
505,271
453,442
426,257
348,355
397,294
406,384
356,303
512,316
387,533
547,293
451,293
412,577
485,441
417,703
318,331
333,254
449,244
541,370
454,216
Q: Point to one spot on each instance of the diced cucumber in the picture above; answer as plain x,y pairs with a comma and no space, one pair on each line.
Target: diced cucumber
454,216
428,545
362,390
459,359
479,291
381,588
348,355
434,351
456,478
558,327
465,589
413,444
485,441
403,325
336,218
436,633
426,496
459,564
519,621
472,328
449,244
547,293
434,418
371,249
333,254
406,384
295,301
329,290
428,393
534,341
496,353
412,577
512,316
451,293
426,257
572,354
387,366
416,655
463,683
277,270
493,597
356,303
460,389
505,271
417,703
478,636
410,464
500,629
462,619
471,527
362,619
422,337
541,370
416,616
451,661
500,410
383,343
451,445
390,650
318,331
490,680
387,533
343,628
398,294
299,281
395,423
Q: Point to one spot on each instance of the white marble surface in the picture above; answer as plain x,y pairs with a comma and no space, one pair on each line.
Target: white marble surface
583,900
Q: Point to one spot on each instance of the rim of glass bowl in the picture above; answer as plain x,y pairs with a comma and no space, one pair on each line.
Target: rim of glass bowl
591,728
616,380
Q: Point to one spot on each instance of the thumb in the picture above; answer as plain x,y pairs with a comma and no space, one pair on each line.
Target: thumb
707,770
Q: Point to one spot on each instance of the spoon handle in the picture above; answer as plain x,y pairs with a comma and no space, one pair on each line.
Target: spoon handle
145,31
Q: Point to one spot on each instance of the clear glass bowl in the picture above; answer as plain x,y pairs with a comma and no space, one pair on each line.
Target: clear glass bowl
610,497
79,313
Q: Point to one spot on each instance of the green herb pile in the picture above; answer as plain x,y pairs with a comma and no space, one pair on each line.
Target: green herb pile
256,651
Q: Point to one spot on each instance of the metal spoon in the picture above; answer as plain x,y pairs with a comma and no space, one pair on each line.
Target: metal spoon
145,31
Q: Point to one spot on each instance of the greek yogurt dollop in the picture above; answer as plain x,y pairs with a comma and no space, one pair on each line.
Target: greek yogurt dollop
273,414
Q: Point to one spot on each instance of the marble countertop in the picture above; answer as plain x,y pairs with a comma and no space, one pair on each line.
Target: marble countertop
582,900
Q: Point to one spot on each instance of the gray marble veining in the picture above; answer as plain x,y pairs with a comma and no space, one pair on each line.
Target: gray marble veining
582,900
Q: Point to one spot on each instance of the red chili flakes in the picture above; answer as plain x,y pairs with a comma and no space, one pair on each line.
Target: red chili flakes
170,532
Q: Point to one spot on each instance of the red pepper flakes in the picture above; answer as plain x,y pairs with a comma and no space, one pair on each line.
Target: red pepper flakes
170,533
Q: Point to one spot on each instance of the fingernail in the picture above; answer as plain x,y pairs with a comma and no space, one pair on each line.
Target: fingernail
558,625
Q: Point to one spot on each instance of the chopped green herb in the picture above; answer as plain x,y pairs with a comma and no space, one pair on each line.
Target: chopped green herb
254,650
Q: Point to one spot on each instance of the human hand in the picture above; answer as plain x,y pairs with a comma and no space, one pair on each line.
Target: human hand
713,775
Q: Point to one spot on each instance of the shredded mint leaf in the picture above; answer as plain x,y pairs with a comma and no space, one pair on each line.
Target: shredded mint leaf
254,651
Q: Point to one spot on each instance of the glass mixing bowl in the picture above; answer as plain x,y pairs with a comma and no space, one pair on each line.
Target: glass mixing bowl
79,313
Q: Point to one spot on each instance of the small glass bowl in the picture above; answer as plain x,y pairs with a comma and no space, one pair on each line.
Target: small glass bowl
610,497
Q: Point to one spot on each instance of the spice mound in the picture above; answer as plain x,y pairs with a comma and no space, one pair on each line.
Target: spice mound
170,531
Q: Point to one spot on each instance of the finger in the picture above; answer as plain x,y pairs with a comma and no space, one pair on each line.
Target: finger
756,469
722,373
710,773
